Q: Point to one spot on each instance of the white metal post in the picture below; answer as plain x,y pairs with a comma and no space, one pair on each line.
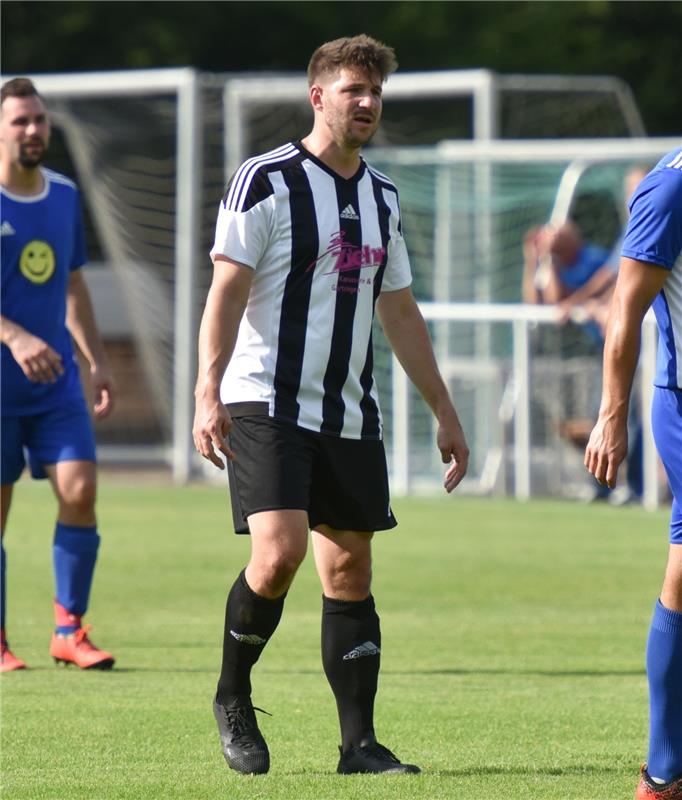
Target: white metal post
442,267
522,415
188,182
485,130
400,467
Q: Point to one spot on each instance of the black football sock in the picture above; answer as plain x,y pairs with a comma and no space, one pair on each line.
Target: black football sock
351,644
250,620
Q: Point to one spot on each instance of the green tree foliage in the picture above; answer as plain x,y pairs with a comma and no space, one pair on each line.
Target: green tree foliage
636,41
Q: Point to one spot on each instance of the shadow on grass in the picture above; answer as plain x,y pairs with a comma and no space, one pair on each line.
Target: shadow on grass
579,673
114,671
168,670
475,772
482,771
545,673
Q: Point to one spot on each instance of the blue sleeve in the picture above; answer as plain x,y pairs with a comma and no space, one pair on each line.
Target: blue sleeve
654,231
79,254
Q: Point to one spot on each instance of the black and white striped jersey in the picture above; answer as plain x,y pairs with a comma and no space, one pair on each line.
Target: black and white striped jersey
322,248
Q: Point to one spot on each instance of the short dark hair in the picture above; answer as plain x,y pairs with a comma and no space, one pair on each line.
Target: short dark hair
18,87
359,51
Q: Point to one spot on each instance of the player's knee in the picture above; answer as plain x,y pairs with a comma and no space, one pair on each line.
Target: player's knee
80,495
276,571
284,565
350,574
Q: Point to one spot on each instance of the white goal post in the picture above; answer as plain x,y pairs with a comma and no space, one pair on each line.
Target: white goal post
126,198
484,87
184,84
577,156
521,319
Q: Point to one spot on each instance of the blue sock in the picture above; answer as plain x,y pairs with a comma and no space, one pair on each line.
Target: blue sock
3,587
664,670
74,553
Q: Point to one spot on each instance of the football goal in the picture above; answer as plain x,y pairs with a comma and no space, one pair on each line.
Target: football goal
478,158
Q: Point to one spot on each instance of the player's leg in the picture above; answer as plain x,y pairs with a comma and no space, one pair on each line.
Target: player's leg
6,492
76,540
671,593
268,488
74,554
663,773
61,447
252,613
10,469
349,501
256,599
351,634
8,661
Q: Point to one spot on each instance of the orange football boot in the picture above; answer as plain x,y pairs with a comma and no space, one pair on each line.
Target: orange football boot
76,648
8,661
649,790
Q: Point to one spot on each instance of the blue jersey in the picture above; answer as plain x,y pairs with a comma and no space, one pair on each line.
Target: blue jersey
42,242
654,235
589,260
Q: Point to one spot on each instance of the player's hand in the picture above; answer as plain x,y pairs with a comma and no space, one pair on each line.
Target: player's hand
212,423
38,361
606,449
104,390
565,309
454,451
531,251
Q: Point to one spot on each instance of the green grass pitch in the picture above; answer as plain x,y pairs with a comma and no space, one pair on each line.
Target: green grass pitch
512,663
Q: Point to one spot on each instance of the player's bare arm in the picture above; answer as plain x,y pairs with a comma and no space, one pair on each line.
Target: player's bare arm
554,291
547,286
637,286
409,338
602,280
598,287
38,361
223,312
80,320
529,290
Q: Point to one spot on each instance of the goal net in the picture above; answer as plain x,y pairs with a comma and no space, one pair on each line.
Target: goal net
152,150
466,210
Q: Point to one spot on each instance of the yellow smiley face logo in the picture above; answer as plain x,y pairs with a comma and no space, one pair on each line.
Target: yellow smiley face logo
37,261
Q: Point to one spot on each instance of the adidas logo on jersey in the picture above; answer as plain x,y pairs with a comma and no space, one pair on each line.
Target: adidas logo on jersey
248,638
6,229
349,213
366,649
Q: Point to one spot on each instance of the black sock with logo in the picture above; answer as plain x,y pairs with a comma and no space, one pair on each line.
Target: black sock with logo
250,620
351,646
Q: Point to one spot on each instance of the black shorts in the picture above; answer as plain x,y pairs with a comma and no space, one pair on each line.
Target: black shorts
342,483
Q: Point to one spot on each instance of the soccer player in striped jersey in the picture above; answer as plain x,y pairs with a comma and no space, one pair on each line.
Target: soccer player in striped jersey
308,242
45,301
651,274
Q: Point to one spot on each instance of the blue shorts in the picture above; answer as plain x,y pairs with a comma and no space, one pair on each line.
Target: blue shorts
666,421
61,434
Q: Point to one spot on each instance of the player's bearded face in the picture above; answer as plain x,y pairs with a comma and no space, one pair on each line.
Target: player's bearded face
352,108
25,130
32,152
